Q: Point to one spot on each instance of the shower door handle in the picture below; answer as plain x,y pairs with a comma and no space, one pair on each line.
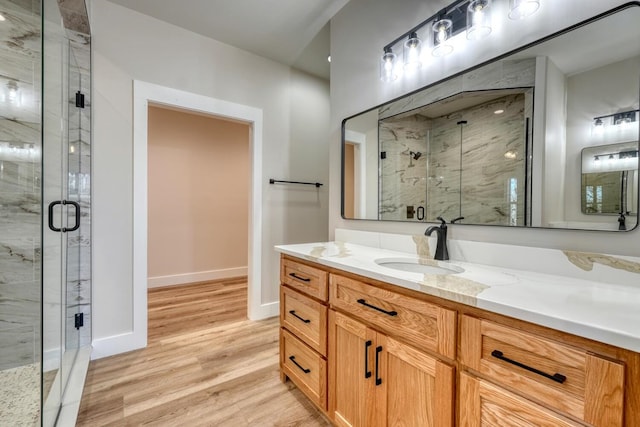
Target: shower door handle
51,206
77,216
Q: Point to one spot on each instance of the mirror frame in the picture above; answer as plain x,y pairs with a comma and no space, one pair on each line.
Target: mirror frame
499,57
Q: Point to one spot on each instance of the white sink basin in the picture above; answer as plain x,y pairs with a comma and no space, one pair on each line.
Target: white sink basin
419,266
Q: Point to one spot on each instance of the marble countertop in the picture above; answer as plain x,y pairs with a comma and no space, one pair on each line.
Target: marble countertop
609,313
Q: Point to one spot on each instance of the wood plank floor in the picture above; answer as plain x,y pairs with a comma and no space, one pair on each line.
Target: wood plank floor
205,365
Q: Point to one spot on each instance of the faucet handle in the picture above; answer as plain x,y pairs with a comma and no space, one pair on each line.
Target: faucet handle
439,218
460,218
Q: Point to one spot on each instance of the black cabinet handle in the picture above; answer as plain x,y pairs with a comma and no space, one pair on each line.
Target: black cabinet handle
293,313
390,313
378,351
51,206
293,359
77,208
559,378
367,372
295,276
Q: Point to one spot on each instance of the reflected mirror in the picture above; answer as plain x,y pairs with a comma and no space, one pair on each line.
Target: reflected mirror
512,142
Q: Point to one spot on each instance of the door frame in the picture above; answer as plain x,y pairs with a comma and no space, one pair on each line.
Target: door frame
145,93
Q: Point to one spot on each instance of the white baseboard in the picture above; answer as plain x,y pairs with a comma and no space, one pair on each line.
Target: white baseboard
264,311
200,276
108,346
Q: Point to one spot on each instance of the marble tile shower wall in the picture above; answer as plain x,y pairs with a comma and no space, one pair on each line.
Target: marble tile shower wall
474,169
403,178
20,185
477,164
20,188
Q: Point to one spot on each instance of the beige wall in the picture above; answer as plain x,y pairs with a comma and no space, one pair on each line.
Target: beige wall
349,160
198,196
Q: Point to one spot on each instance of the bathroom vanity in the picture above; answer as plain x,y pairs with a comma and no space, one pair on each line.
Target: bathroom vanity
458,344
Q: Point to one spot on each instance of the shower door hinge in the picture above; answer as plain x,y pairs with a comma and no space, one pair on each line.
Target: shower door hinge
79,320
79,99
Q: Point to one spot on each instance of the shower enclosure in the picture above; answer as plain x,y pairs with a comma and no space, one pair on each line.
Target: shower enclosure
45,202
468,162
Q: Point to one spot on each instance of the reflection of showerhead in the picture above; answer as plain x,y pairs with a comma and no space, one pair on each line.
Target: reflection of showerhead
416,155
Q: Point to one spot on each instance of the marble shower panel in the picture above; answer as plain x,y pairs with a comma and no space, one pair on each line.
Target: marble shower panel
403,178
484,178
20,171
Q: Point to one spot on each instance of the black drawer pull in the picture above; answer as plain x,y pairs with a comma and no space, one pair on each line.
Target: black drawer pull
390,313
559,378
367,372
293,359
295,276
378,351
293,313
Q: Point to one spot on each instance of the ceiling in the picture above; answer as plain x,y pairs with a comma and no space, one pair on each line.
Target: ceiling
292,32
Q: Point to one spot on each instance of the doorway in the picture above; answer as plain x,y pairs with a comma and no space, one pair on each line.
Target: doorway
148,93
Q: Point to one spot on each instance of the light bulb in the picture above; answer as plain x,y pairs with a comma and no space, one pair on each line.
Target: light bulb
442,34
412,48
520,9
478,19
388,66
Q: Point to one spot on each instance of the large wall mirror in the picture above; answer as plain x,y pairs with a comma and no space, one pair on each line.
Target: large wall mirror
546,136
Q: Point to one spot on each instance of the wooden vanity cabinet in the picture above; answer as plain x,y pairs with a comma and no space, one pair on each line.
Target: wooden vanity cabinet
303,332
573,381
381,357
376,380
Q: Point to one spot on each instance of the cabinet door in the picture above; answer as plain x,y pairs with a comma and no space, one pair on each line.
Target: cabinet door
484,404
414,389
349,369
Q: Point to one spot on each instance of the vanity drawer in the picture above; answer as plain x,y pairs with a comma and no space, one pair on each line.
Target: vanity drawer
305,318
306,368
562,377
418,323
482,404
304,278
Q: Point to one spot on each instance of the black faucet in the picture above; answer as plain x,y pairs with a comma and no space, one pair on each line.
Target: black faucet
442,253
622,221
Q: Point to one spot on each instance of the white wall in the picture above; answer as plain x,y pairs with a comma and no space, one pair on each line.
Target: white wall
358,33
128,46
594,93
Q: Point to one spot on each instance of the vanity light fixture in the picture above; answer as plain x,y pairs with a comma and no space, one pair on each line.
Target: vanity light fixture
520,9
2,18
478,19
388,65
621,155
412,52
442,33
474,17
616,119
499,111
